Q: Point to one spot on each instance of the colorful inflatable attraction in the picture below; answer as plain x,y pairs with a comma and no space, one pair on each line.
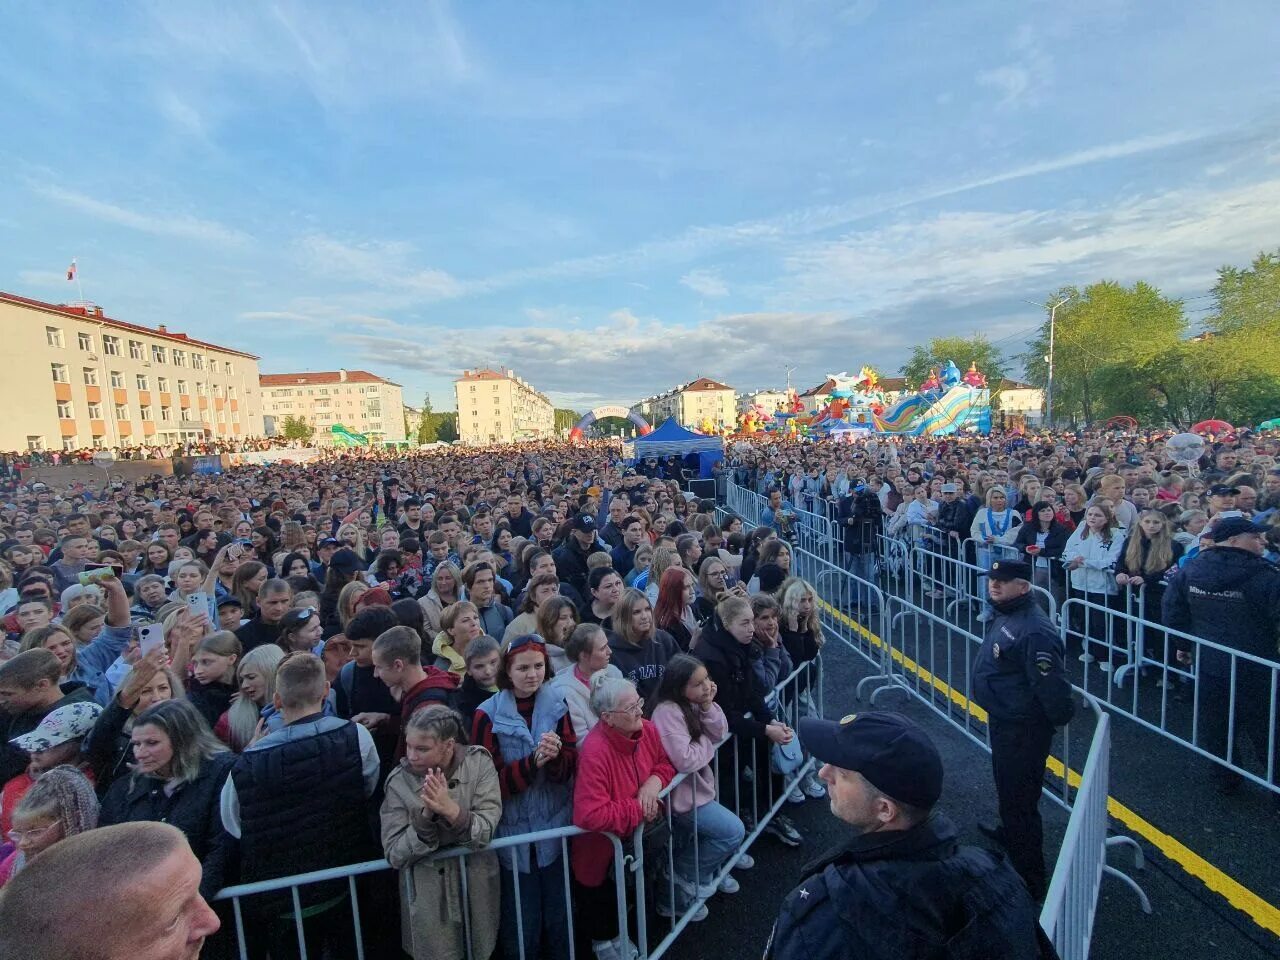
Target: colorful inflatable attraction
947,402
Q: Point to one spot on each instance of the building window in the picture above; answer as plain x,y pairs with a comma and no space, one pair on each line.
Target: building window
144,413
70,443
85,340
90,377
117,379
217,390
122,412
136,350
197,361
141,380
157,354
35,443
162,384
95,411
182,388
179,358
64,410
227,368
59,372
473,388
111,346
166,414
54,336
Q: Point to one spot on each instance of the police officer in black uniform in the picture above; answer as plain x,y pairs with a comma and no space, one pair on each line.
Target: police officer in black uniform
902,887
1020,679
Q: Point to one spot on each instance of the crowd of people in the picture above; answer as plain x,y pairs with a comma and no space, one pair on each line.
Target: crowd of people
308,666
1119,522
303,666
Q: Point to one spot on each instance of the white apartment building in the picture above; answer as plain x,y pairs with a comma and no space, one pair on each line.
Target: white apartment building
768,400
496,406
359,402
79,379
692,405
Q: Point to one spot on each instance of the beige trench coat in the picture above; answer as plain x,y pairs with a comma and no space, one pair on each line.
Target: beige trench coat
431,890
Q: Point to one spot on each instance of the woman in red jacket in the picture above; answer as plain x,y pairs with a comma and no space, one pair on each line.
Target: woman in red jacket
622,768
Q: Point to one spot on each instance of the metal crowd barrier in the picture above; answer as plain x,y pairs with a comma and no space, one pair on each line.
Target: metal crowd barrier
795,696
755,800
294,884
1203,705
1072,900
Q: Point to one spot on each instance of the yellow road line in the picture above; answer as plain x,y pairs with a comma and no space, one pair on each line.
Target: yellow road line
1260,911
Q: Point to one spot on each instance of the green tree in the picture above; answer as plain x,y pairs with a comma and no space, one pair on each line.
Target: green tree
296,428
428,425
1102,335
566,419
447,427
962,351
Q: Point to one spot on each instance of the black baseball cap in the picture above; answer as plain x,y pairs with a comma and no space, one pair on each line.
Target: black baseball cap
344,561
328,542
1222,490
1229,527
1010,570
583,522
895,755
230,600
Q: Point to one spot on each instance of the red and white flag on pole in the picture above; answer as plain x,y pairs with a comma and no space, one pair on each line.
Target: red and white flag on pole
71,270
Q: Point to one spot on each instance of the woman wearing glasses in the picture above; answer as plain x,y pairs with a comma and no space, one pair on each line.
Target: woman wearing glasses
622,768
60,804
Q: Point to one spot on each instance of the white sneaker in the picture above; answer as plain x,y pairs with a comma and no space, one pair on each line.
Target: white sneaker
693,890
728,884
745,862
605,949
1086,658
1104,667
796,796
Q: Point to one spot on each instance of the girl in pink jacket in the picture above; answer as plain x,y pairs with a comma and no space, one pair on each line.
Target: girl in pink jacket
692,725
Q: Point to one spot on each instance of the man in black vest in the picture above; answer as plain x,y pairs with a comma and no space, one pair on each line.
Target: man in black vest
296,800
903,886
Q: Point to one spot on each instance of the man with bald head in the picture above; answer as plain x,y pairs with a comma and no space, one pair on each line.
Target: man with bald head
126,892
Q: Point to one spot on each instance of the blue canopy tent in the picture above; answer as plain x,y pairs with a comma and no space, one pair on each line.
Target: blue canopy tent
671,439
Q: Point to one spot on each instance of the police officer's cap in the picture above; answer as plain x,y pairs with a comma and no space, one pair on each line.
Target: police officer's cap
1010,570
890,751
1230,527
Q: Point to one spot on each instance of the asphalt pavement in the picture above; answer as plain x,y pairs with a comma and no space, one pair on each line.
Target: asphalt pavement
1158,780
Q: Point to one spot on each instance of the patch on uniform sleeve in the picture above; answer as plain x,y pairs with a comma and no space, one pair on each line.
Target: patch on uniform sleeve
995,650
1044,662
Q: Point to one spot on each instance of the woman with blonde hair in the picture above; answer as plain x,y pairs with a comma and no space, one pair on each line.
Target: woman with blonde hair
256,676
1149,555
347,598
459,625
88,664
664,558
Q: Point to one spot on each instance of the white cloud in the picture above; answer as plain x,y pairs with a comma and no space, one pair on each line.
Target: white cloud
386,266
1022,82
167,225
707,283
624,356
1175,240
182,115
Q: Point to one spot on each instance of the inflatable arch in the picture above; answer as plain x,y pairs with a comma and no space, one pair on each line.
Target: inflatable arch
599,413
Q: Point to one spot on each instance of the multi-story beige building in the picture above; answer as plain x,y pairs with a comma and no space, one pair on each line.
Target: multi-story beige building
496,406
356,401
770,401
78,378
692,405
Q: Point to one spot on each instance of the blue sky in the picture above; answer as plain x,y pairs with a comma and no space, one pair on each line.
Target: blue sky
612,198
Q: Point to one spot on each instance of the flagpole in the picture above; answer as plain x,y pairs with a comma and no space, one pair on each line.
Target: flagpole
73,273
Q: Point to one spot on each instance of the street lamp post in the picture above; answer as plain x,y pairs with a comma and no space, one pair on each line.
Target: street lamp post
1048,392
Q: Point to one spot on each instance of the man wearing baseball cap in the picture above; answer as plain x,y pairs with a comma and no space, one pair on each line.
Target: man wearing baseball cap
1020,679
902,886
571,556
1230,595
